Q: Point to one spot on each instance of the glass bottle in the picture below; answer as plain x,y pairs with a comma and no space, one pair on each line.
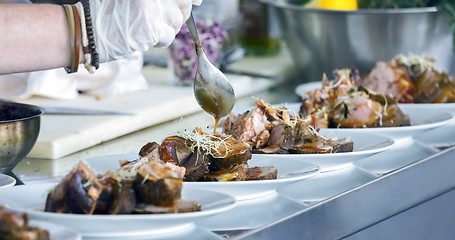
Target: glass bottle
259,33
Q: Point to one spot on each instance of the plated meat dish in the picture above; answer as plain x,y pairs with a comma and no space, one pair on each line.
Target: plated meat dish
141,188
276,130
344,103
15,226
208,157
152,183
411,79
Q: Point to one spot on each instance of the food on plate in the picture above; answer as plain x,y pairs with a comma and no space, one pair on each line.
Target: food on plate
207,157
344,103
276,130
140,187
14,225
411,79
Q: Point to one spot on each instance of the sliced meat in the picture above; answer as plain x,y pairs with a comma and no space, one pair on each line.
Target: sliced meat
157,184
262,173
236,173
77,193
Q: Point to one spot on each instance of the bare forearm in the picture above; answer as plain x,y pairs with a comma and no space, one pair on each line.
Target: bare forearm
33,37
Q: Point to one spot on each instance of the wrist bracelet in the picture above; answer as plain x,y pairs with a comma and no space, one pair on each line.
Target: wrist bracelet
81,31
74,43
77,38
88,37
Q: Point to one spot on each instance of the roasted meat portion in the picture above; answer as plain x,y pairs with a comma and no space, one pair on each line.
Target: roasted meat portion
216,157
15,226
77,192
344,103
276,130
139,186
156,184
411,79
262,173
205,157
117,197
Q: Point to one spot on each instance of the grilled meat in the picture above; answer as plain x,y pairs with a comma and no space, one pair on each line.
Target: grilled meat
342,103
205,157
262,173
15,226
236,173
157,184
77,193
117,197
411,79
136,185
276,130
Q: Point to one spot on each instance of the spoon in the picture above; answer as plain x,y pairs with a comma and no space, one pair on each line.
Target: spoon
213,91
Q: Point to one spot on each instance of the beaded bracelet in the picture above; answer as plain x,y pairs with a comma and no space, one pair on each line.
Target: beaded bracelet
88,37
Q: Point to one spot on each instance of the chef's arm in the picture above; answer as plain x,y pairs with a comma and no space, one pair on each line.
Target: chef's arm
33,37
37,36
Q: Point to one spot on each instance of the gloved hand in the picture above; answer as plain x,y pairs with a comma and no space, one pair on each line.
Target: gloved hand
124,26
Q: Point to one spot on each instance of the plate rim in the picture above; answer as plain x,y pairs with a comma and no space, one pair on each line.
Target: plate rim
446,116
46,224
133,155
228,203
227,187
9,181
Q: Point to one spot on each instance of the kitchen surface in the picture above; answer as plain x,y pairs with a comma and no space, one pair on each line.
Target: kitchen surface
397,183
280,208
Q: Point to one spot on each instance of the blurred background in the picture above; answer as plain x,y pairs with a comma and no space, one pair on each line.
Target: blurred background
323,35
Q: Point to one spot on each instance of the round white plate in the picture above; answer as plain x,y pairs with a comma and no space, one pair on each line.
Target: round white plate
241,190
422,120
115,226
6,181
441,137
57,231
448,107
365,145
303,88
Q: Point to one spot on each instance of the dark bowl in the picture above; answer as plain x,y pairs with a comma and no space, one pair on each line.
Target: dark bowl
19,130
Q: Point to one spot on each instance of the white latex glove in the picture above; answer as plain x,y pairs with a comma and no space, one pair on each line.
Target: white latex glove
124,26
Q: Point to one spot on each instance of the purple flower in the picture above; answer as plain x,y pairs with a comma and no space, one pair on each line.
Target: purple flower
183,53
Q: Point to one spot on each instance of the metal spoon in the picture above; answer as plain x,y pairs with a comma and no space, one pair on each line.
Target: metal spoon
213,91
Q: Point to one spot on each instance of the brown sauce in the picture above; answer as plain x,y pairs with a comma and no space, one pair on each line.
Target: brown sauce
217,120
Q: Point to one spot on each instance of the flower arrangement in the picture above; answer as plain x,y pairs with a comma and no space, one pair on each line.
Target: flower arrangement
183,53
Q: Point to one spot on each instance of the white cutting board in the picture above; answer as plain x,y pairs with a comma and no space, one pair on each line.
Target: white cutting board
62,135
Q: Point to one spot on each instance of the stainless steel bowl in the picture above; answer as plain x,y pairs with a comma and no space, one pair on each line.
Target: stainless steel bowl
323,40
19,130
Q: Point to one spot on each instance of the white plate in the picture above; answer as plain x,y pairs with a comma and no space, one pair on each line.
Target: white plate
326,185
365,145
422,120
401,155
115,226
6,181
449,107
241,190
57,231
303,88
441,137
